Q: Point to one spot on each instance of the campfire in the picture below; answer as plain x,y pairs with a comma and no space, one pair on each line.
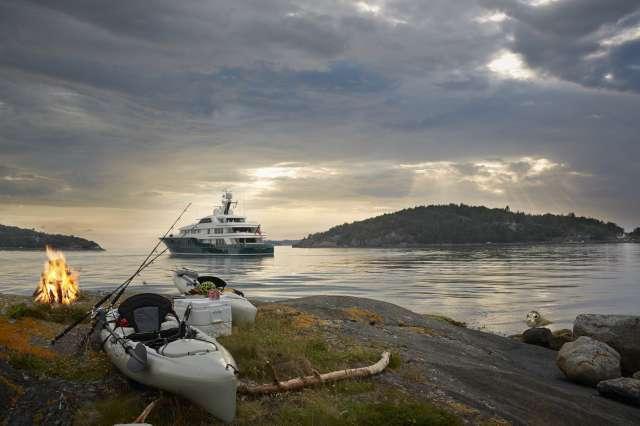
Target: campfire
58,282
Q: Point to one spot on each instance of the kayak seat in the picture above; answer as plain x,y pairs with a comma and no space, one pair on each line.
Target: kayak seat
146,312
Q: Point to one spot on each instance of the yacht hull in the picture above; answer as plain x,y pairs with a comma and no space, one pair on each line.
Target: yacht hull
193,247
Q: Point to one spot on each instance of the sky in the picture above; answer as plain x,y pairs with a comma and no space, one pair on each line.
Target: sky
115,115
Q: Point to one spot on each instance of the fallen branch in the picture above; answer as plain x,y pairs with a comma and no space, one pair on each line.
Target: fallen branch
145,413
303,382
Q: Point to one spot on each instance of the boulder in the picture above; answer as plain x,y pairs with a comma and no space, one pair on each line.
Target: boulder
636,375
588,361
621,332
624,389
539,336
560,337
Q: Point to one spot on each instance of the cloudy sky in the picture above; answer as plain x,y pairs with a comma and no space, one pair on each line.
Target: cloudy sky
114,115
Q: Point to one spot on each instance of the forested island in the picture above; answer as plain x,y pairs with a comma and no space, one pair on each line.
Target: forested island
14,238
462,224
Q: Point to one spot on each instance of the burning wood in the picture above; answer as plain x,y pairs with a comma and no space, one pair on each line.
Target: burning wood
58,282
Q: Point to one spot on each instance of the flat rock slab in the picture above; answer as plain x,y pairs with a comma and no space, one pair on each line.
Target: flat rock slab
624,389
494,375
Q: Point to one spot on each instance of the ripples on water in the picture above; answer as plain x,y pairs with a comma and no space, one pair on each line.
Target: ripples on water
488,286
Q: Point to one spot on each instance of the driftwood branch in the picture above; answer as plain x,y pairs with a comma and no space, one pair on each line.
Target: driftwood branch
145,413
303,382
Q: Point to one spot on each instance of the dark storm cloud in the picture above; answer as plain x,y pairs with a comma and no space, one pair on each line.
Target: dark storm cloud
571,39
146,104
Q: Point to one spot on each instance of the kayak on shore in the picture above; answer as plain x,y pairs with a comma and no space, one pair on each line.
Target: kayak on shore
147,342
188,282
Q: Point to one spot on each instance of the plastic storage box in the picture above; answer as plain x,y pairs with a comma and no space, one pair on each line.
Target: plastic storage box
213,317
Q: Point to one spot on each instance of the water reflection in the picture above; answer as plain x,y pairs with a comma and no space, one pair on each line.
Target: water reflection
488,286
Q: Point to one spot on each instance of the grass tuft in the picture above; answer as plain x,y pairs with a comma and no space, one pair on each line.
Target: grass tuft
276,339
119,409
92,366
446,319
63,314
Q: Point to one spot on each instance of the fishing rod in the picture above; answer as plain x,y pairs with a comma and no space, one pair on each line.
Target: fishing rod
122,286
105,298
96,323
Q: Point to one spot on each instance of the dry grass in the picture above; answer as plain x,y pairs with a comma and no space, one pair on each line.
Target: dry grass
363,315
24,343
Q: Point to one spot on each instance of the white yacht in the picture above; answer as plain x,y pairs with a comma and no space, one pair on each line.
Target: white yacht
221,234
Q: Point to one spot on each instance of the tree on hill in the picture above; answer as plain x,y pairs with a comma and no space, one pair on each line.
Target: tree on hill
461,224
12,237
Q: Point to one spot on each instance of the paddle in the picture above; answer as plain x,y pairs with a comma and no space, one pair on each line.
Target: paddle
137,356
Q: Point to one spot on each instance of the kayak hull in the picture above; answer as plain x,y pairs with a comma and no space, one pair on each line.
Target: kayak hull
242,311
199,369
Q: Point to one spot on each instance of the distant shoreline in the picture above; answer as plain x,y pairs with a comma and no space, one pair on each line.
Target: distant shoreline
487,244
55,247
22,239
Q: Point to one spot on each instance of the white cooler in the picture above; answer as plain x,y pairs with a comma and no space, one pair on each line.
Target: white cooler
213,317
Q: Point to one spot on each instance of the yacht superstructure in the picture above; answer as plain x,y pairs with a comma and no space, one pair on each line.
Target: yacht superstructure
223,233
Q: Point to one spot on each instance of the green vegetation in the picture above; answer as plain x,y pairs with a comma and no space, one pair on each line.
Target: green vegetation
635,234
446,319
462,224
64,314
378,407
119,409
14,238
89,367
345,403
290,342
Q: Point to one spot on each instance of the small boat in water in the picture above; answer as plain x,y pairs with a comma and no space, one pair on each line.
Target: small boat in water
221,234
242,311
147,342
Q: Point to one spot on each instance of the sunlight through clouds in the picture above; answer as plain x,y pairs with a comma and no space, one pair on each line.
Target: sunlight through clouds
494,176
508,64
494,17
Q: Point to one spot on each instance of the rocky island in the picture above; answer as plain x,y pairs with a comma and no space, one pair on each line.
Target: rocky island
462,224
14,238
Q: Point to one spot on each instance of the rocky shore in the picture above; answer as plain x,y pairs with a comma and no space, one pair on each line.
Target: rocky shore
441,373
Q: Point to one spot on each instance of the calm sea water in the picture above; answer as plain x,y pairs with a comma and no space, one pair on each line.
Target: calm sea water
491,287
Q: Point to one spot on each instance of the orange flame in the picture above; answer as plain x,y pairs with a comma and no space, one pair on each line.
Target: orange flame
58,282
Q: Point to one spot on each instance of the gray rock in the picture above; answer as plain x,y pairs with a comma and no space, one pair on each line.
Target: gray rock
539,336
588,361
621,332
636,375
560,337
624,389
